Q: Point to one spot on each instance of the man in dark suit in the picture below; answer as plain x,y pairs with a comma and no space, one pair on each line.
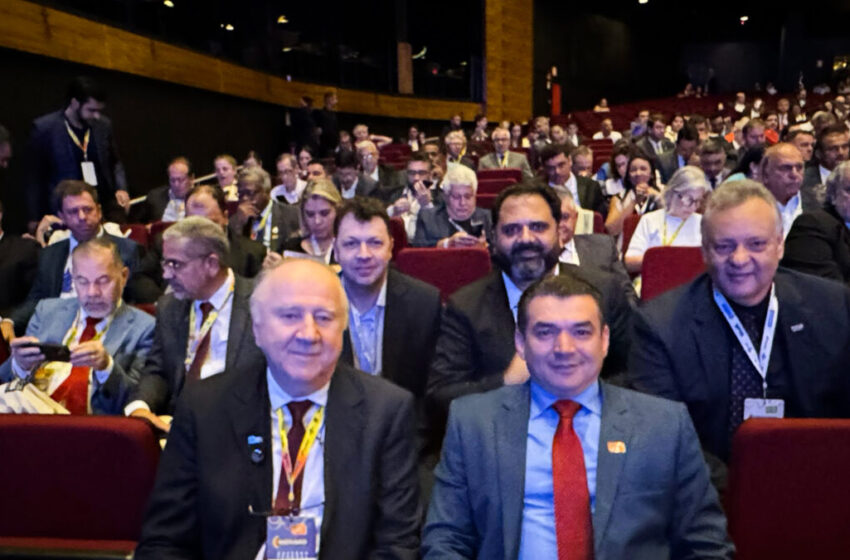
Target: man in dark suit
474,351
686,145
108,339
833,147
713,161
202,327
457,222
349,181
167,203
80,214
455,143
654,142
558,466
76,143
503,158
355,496
18,264
387,177
781,171
557,165
258,217
685,345
819,240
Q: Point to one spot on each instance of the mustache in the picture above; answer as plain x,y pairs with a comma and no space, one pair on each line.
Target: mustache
526,246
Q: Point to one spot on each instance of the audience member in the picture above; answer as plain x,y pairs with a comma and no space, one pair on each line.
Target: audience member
456,150
686,145
655,142
583,162
304,129
202,325
305,156
412,139
318,211
617,166
640,194
573,136
290,188
607,132
316,170
545,487
108,339
358,435
252,159
455,124
832,148
602,106
781,171
345,142
712,161
517,139
258,216
689,344
387,177
479,133
804,140
753,135
748,165
361,134
406,202
225,175
502,157
585,248
639,126
782,117
557,166
457,222
672,130
326,121
559,137
76,143
168,203
349,180
18,265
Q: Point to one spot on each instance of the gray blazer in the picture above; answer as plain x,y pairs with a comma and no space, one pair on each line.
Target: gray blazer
515,160
432,224
654,501
128,341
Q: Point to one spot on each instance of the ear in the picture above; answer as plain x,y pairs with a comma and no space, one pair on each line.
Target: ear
519,343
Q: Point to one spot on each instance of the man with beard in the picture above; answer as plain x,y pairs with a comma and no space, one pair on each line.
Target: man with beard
474,350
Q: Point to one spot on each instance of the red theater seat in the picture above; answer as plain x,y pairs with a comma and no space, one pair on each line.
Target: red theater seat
495,185
598,223
664,268
159,227
485,200
508,173
789,490
447,269
629,226
399,235
74,482
138,233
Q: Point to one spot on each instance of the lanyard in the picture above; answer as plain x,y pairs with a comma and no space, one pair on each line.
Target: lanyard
310,434
667,242
261,226
84,145
760,360
196,338
504,161
72,334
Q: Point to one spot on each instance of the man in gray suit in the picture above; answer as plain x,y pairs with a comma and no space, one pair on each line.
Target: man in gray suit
108,339
559,465
259,217
595,250
503,158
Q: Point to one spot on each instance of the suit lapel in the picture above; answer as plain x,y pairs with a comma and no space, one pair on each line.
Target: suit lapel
57,267
121,324
708,325
616,427
511,431
792,331
240,322
394,318
179,318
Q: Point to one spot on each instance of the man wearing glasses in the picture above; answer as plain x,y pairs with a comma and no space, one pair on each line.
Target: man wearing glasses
202,326
258,216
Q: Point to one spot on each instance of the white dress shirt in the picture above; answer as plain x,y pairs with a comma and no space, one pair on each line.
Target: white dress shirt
350,192
613,137
570,187
790,211
569,254
175,210
366,331
650,232
292,197
824,174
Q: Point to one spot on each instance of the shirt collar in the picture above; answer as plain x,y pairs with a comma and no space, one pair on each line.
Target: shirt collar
74,242
514,293
791,205
542,400
824,173
382,296
220,295
352,189
278,397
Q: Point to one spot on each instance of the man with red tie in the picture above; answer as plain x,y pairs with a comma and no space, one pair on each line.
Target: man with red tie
202,325
108,339
563,466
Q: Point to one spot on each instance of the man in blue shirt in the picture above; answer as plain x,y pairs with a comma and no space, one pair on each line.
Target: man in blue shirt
566,466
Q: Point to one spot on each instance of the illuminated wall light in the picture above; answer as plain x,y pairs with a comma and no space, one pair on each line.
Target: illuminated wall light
168,3
286,49
228,27
282,19
643,1
744,19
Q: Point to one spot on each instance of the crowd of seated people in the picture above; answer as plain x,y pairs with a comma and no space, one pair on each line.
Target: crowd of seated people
270,294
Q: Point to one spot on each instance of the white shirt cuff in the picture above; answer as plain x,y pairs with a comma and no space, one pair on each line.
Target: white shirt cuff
101,375
134,406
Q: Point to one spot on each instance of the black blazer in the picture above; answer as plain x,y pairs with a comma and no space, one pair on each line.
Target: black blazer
206,480
590,195
646,146
286,222
366,186
432,224
164,372
819,244
476,342
151,209
18,265
681,350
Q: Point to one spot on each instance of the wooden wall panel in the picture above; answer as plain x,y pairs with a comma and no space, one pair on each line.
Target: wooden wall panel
509,58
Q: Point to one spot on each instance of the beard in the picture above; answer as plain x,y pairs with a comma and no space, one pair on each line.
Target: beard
527,268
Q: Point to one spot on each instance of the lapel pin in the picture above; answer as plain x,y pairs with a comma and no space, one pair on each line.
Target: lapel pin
797,328
255,440
616,447
256,455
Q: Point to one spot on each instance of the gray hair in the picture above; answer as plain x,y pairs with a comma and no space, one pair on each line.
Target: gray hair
101,243
732,194
206,236
838,180
255,175
459,175
687,178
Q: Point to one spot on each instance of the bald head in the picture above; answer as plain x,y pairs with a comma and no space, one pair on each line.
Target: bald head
781,171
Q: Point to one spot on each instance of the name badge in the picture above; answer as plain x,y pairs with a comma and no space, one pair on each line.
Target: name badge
89,176
764,408
292,537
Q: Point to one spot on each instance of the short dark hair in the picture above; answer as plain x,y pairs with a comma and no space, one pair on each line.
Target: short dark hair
419,156
696,119
4,135
83,88
640,154
345,158
687,132
711,146
621,148
554,150
831,129
528,189
183,160
364,209
751,124
72,187
560,286
657,117
796,132
214,191
315,161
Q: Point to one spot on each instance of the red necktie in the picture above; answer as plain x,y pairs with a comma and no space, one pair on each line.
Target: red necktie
573,526
297,409
73,393
194,372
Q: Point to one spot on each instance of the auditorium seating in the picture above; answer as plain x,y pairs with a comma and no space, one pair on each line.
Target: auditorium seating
664,268
395,155
598,223
158,227
508,173
74,484
137,232
629,226
495,185
447,269
485,200
399,235
789,490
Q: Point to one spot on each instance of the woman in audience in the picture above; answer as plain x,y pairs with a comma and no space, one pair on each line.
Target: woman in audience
748,166
305,156
617,168
672,130
640,194
458,222
517,140
677,224
480,132
602,106
320,201
225,174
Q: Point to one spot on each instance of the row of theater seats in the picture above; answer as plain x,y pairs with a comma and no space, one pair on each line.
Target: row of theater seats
788,489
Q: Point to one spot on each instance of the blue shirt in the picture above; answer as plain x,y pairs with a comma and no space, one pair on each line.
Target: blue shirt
513,292
366,331
538,538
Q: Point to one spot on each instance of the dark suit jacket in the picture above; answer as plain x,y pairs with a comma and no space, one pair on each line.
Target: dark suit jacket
590,195
52,156
681,350
515,160
286,219
668,163
366,186
152,208
18,265
646,146
653,501
206,479
51,266
812,191
819,244
432,224
476,342
164,372
600,251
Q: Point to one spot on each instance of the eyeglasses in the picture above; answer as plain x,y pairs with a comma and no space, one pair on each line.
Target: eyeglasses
176,265
689,200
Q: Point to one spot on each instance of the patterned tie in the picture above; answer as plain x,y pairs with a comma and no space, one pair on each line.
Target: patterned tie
573,526
745,380
297,409
73,393
194,372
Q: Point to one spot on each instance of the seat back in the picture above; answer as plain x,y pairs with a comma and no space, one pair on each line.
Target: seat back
789,492
485,200
629,226
75,477
399,235
495,185
664,268
507,173
159,227
137,232
446,269
598,223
